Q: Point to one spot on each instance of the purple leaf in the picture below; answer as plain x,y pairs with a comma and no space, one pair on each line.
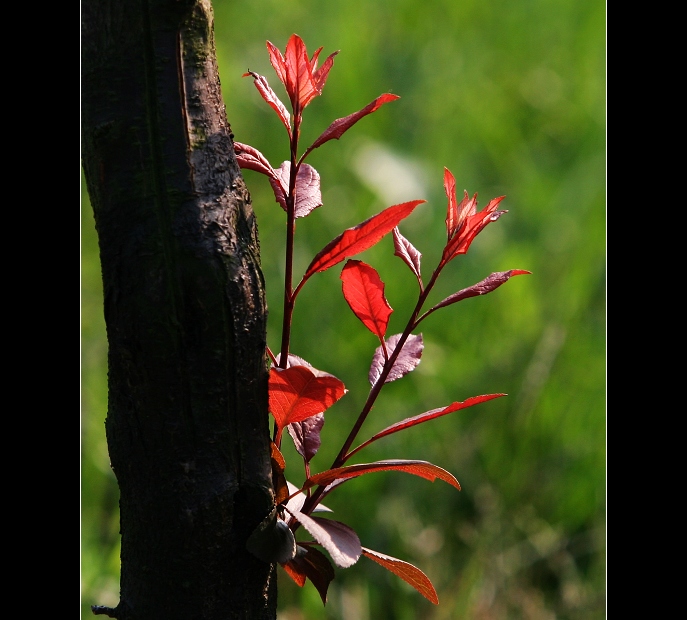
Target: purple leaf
338,539
308,195
251,159
314,565
306,435
487,285
407,252
297,501
407,360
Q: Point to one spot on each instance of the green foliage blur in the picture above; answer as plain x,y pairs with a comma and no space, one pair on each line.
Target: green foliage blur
510,96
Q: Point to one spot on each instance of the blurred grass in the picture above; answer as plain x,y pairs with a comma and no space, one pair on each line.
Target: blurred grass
511,98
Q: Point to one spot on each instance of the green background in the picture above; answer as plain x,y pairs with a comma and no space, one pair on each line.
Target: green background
510,96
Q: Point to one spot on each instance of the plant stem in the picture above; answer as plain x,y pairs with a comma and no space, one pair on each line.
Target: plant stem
344,455
289,297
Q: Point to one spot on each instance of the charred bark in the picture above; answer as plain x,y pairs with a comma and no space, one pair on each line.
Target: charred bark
187,423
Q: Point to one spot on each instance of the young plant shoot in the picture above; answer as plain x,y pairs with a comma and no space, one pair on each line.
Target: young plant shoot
299,395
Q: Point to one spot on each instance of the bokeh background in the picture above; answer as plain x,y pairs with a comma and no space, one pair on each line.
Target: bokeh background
510,96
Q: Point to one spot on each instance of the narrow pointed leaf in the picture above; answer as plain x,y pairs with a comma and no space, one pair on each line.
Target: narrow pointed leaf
277,61
297,501
320,76
407,253
251,159
340,541
489,284
306,435
296,394
429,415
361,237
407,360
300,83
281,487
472,225
271,98
452,210
409,573
363,290
314,565
341,125
423,469
296,572
308,194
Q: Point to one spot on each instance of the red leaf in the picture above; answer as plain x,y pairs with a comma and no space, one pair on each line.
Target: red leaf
406,361
340,541
470,225
296,572
409,573
252,159
423,469
314,565
271,98
363,289
306,435
487,285
341,125
277,61
300,83
320,76
452,210
361,237
281,486
407,252
296,394
429,415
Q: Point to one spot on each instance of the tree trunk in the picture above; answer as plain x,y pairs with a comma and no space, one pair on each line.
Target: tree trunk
187,423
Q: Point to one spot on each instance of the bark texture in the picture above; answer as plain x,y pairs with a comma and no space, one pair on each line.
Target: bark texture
187,423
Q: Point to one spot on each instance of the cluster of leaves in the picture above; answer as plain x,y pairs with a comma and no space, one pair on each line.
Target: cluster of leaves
299,394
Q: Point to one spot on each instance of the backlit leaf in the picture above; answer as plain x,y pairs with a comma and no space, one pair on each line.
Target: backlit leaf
271,98
407,252
341,125
409,573
296,394
251,159
452,210
281,488
407,360
429,415
306,435
487,285
363,289
423,469
361,237
314,565
308,194
340,541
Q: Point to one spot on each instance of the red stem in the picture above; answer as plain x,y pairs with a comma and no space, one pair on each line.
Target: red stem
289,297
344,455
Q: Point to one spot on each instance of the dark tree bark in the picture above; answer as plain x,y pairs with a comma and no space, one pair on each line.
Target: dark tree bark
187,423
